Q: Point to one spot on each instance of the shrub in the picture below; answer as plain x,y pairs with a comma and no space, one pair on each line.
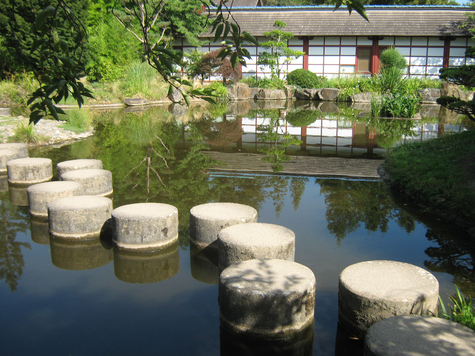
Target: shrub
302,118
305,79
391,57
461,311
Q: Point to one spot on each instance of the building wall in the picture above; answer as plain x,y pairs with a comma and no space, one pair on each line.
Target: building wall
338,56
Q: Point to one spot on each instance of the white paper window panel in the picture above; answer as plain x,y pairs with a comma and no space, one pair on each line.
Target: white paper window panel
435,52
433,70
184,42
456,61
469,61
418,51
347,41
347,69
316,41
435,41
386,41
291,67
251,61
329,69
297,61
295,41
405,51
363,41
348,51
435,61
418,69
470,42
418,61
457,52
402,41
332,51
315,68
216,44
296,48
248,74
191,49
260,74
264,68
419,41
294,130
315,51
347,60
332,59
315,59
329,132
252,50
458,42
332,41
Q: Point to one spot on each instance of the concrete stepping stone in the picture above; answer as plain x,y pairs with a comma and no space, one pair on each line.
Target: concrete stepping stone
39,195
266,298
8,155
419,335
78,217
21,148
145,226
375,290
79,255
207,220
29,170
76,164
94,181
255,240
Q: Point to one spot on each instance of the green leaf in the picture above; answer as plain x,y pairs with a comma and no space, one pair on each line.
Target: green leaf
250,38
234,60
219,31
187,98
42,16
226,30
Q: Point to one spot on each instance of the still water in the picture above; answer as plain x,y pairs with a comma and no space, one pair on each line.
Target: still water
89,299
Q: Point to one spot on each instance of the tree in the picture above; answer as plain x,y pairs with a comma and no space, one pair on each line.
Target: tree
279,54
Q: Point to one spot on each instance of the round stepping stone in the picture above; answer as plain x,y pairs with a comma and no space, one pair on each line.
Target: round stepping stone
94,181
255,240
266,298
419,335
140,267
21,148
29,170
207,220
78,217
204,265
145,226
76,164
39,231
374,290
39,195
8,155
18,194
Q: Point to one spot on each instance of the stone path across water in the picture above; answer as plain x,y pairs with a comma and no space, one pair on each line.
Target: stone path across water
299,165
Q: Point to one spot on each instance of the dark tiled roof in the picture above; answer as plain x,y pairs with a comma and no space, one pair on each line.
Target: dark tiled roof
383,20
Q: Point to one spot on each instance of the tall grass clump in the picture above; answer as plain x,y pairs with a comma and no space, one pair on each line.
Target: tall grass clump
15,90
461,311
142,81
25,133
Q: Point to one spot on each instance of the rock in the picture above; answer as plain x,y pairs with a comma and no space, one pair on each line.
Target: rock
239,91
175,96
239,108
253,92
429,94
430,111
5,111
330,94
135,102
361,98
328,107
270,94
450,89
177,109
306,94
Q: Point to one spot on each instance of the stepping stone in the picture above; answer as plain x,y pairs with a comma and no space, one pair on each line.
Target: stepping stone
207,220
79,254
94,181
39,195
419,335
21,148
375,290
8,155
145,226
255,240
76,164
29,170
78,217
266,298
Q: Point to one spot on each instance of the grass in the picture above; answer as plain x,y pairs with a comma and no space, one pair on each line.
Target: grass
25,133
437,174
77,120
461,311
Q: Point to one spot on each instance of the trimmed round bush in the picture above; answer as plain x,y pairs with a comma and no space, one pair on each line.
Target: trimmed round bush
301,118
304,79
391,57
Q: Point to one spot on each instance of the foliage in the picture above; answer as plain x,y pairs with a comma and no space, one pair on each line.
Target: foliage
219,90
461,311
302,118
77,120
432,173
391,57
264,82
25,133
397,105
211,65
305,79
140,80
365,2
279,54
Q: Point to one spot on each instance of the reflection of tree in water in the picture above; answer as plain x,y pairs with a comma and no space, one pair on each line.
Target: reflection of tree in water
352,203
222,133
11,256
389,131
278,140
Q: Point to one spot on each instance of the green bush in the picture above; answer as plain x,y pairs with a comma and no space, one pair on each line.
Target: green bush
391,57
305,79
302,118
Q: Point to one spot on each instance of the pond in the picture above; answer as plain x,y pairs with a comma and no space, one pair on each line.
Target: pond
90,299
